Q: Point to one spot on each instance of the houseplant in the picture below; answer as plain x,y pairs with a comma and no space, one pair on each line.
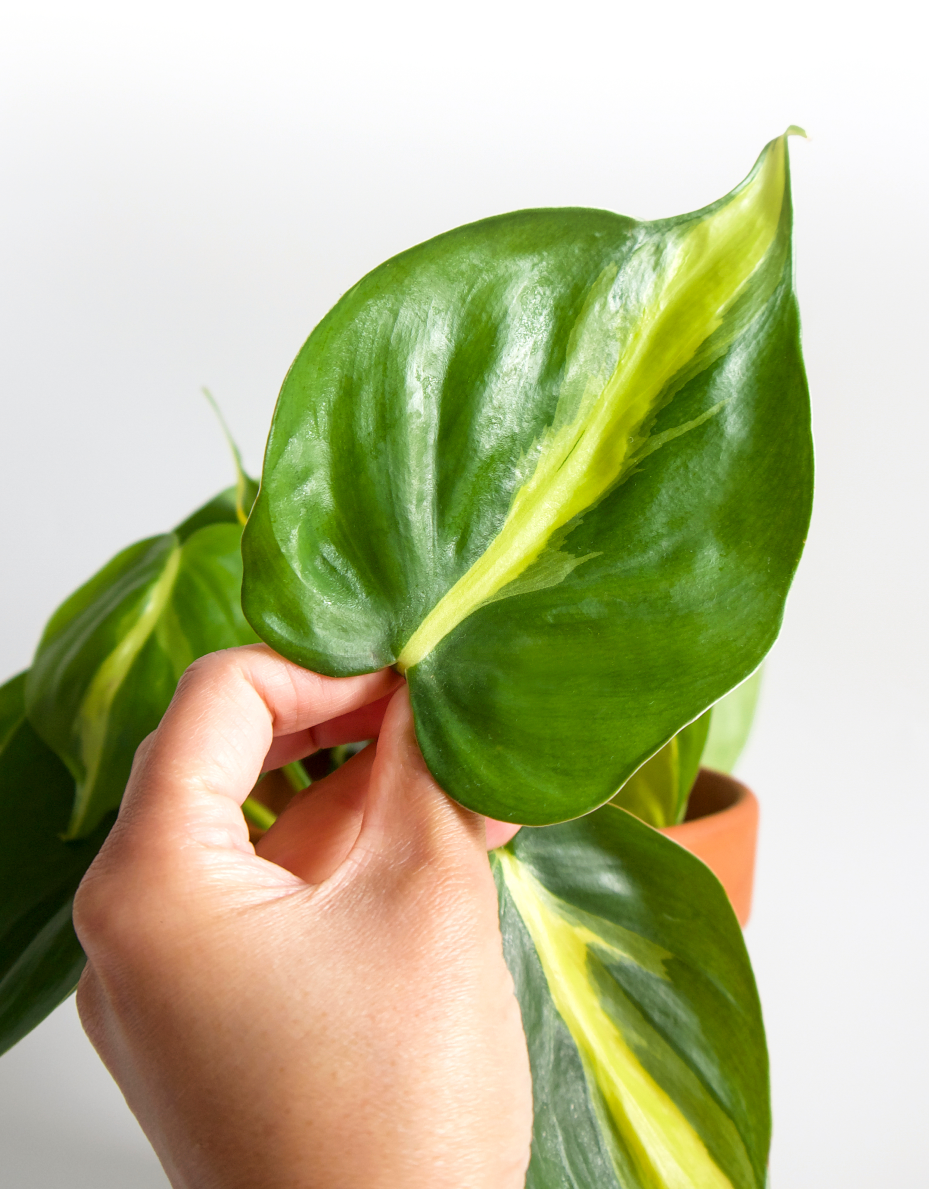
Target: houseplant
555,467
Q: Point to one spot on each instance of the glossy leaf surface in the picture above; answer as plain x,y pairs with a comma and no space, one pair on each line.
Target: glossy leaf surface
40,957
556,466
645,1035
110,658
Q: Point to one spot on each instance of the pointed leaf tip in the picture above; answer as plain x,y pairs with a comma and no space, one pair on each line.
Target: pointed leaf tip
796,130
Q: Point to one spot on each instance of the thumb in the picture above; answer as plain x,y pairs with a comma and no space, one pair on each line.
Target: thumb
408,818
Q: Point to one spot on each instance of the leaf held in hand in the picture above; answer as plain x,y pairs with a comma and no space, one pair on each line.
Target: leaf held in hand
556,466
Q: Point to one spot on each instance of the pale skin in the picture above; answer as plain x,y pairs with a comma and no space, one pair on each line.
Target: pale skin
333,1011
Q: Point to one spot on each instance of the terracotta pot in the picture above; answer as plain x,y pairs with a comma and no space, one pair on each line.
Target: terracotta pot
721,828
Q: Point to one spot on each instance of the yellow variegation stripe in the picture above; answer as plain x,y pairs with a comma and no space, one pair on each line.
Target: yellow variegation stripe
93,718
667,1151
677,290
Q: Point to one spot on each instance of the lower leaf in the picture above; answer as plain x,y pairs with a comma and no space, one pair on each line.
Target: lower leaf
641,1014
40,956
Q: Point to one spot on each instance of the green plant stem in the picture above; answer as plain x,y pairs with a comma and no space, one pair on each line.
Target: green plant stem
257,814
297,776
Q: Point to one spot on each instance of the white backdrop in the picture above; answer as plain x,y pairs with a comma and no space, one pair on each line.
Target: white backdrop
186,188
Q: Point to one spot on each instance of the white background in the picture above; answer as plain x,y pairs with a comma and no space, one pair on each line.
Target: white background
186,188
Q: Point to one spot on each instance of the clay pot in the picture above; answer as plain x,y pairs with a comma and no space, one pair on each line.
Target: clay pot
721,828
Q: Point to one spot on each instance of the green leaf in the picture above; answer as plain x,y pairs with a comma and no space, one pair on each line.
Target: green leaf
640,1010
105,671
658,792
730,723
555,465
11,707
109,660
40,957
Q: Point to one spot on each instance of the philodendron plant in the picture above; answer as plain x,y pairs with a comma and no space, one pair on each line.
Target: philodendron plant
555,467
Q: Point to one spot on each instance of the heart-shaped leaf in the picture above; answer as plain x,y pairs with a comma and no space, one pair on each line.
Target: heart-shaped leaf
555,466
111,656
645,1037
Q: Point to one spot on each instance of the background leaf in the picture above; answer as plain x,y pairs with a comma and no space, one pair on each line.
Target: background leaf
11,707
730,725
40,957
658,792
109,660
222,509
644,1029
433,414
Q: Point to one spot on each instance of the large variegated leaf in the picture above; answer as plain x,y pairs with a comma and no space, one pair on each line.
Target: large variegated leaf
40,958
645,1037
556,467
110,658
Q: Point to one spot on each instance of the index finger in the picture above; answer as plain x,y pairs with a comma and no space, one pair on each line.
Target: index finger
354,727
208,752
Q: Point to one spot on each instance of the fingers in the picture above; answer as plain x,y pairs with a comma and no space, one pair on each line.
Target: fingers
363,723
209,750
407,817
354,727
499,833
318,829
240,710
315,834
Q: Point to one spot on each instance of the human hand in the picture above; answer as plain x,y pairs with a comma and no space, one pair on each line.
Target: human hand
333,1012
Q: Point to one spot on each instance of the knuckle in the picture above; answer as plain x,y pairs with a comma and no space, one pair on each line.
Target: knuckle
97,908
203,669
110,907
204,672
